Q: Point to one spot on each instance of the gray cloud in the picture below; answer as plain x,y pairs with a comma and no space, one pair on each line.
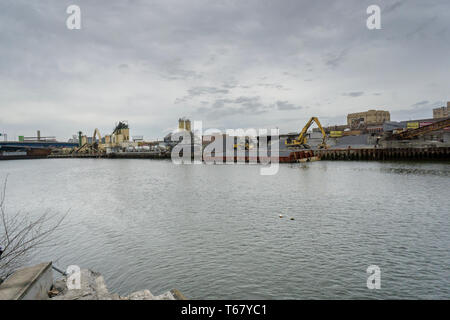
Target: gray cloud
243,105
425,24
420,110
152,62
284,105
420,103
391,7
229,85
354,94
201,91
335,59
206,90
232,107
270,85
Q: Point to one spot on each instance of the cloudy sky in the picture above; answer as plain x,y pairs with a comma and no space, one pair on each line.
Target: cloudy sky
230,63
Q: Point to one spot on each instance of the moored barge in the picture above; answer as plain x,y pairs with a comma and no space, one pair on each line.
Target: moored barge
19,152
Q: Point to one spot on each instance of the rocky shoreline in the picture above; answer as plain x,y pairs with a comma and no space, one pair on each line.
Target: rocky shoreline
93,287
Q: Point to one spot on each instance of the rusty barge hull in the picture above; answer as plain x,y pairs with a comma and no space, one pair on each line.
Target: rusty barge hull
385,154
19,153
379,154
285,156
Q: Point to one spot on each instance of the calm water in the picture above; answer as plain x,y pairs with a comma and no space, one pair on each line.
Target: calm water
215,232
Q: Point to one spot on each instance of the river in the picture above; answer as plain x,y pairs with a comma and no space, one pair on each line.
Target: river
214,231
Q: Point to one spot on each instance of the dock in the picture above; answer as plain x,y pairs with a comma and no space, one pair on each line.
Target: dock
333,154
438,153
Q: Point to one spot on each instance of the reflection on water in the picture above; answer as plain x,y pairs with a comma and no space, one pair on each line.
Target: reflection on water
215,231
438,172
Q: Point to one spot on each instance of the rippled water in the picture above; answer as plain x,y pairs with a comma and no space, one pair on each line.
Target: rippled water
215,232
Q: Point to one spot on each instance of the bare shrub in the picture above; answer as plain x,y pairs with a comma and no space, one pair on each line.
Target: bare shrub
21,235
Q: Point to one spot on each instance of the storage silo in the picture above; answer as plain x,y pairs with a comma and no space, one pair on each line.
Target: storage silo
187,125
181,124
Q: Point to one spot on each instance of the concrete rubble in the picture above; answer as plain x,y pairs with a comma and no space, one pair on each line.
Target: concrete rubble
93,287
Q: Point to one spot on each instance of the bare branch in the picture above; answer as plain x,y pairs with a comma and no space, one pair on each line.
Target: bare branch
23,235
2,201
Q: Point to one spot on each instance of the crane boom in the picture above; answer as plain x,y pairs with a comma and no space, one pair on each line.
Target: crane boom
302,139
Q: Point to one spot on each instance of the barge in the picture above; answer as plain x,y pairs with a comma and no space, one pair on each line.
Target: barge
22,152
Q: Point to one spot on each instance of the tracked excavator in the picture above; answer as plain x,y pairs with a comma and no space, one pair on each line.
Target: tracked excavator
302,139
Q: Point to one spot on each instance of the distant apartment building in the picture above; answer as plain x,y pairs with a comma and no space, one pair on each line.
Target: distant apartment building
368,118
441,112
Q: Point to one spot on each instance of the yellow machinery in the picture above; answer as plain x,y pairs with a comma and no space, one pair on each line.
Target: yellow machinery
247,145
119,138
87,148
336,134
301,141
97,146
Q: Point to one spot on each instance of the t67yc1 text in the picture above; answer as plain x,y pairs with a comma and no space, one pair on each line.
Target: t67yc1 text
229,309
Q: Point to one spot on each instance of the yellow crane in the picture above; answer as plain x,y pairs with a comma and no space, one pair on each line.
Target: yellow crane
302,139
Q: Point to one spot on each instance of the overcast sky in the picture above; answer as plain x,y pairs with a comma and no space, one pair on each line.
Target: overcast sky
232,64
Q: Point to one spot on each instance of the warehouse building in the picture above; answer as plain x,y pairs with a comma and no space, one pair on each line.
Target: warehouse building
442,112
367,118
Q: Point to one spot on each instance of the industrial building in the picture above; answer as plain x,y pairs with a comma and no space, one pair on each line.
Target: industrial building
117,141
38,138
359,123
369,129
442,112
410,124
184,124
37,142
368,118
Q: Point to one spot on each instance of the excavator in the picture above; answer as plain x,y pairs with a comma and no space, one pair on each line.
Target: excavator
301,140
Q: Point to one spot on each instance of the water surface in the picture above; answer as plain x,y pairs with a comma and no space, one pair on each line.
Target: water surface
214,232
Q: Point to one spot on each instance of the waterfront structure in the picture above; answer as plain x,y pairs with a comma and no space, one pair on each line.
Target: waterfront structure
184,124
410,124
121,133
10,152
442,112
37,138
371,117
119,139
333,128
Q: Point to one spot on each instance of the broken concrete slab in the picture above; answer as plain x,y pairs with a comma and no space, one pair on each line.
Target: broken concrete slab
30,283
93,287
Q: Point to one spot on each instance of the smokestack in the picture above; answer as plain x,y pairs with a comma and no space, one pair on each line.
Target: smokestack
79,138
39,135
